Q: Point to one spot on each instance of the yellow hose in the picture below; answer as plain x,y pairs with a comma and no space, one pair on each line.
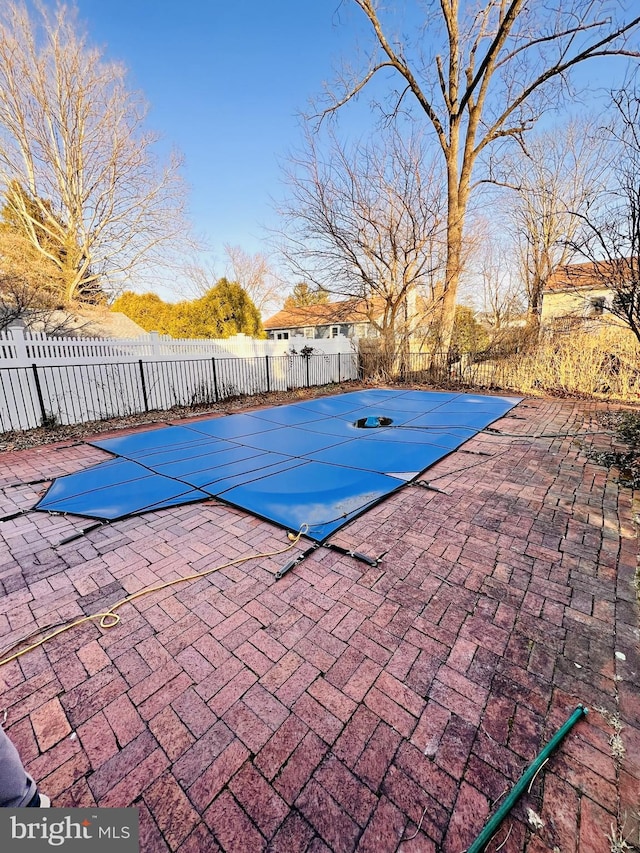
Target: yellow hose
109,619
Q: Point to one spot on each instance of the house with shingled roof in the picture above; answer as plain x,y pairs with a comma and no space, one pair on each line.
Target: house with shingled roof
350,318
87,322
579,293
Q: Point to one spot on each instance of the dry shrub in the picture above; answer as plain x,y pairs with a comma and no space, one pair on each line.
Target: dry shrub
597,361
601,363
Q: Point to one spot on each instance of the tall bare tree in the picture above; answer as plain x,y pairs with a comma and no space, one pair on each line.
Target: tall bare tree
93,200
365,221
553,178
480,73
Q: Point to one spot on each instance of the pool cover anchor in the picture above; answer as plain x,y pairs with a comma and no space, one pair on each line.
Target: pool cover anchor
425,484
356,555
13,515
294,561
493,824
363,558
80,533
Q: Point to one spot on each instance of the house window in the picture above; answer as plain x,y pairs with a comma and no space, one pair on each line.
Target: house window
335,331
282,336
309,332
597,304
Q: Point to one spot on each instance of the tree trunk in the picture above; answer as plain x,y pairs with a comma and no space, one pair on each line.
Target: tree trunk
534,307
452,279
456,204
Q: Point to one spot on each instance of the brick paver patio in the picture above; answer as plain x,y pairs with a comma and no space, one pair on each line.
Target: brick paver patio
343,707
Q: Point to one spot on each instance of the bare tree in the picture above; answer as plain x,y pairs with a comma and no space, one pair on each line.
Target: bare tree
21,304
365,222
555,177
502,296
72,139
488,72
255,275
197,277
610,229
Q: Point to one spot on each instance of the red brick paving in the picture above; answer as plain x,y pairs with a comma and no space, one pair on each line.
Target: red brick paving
344,707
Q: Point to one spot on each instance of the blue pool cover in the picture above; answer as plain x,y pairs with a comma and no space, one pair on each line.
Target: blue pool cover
319,463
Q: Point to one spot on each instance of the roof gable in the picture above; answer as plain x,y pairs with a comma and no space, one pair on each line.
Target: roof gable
591,275
347,311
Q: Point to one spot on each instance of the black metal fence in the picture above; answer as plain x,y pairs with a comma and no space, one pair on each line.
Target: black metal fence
462,372
441,370
75,393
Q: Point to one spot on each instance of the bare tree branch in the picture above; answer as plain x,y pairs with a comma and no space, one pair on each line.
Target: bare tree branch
256,276
561,172
493,64
365,223
610,228
72,136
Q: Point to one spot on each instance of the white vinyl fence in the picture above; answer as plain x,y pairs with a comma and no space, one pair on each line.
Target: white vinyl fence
46,381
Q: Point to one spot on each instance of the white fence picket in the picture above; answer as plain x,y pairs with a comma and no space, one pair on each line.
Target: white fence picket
70,380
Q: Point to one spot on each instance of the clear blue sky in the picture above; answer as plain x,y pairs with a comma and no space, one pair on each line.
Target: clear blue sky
225,81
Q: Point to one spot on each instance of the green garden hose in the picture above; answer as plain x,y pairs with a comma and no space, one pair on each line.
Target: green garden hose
492,825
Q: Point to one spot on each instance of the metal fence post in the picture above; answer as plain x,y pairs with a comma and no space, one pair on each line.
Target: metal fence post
143,383
43,411
215,380
266,361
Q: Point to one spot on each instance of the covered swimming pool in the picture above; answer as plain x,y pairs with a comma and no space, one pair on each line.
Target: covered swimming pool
317,463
